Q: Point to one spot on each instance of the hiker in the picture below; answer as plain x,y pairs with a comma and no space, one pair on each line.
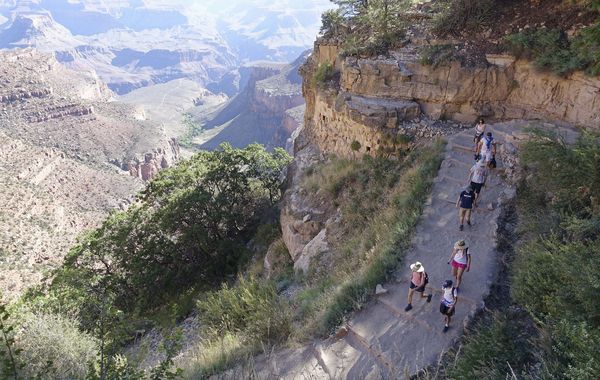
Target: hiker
486,149
477,176
479,131
464,203
448,303
460,260
418,282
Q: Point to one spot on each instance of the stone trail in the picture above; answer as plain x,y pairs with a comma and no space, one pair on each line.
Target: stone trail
383,341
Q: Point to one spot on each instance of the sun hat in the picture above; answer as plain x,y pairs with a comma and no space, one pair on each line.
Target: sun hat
447,284
417,267
461,244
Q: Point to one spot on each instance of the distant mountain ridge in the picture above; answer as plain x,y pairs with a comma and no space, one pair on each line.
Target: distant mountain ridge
131,44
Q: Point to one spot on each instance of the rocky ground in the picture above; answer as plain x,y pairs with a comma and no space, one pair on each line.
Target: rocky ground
67,157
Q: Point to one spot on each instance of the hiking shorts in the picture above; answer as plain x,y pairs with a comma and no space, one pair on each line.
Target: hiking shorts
456,264
419,289
476,187
446,310
464,213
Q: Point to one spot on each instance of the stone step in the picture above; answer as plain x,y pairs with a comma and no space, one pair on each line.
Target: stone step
369,354
344,361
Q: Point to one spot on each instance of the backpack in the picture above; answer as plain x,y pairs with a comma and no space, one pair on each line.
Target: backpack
426,279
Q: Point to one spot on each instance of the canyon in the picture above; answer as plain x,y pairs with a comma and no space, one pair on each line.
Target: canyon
69,157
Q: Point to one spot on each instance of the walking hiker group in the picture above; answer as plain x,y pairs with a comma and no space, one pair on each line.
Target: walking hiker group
460,257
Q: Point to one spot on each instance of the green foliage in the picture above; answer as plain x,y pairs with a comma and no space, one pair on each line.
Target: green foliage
332,23
496,349
10,365
251,309
355,146
187,231
550,49
435,55
458,15
192,129
366,27
324,73
171,347
54,348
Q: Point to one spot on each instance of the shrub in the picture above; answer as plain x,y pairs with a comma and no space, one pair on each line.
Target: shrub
435,55
251,308
550,49
324,73
54,348
458,15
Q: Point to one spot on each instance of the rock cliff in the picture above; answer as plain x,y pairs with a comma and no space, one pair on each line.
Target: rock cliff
373,96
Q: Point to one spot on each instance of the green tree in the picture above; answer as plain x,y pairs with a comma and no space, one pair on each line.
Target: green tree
188,229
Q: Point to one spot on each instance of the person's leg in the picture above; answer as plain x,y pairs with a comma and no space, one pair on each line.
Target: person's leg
459,273
454,272
461,218
468,216
410,296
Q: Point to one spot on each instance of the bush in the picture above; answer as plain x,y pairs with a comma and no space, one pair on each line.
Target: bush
324,73
251,309
54,348
550,49
435,55
458,15
561,215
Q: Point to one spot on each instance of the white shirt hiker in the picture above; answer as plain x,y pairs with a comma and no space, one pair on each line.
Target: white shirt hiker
479,173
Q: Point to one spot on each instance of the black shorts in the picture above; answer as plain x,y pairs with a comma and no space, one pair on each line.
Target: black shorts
417,289
446,310
477,137
476,187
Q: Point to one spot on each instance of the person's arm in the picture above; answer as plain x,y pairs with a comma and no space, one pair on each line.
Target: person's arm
455,298
494,148
458,200
470,175
452,255
421,280
468,261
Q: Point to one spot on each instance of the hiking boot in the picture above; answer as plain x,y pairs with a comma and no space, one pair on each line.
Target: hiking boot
429,298
445,328
408,307
469,223
461,227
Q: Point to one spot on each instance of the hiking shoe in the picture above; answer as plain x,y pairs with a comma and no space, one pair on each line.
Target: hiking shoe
461,227
408,307
469,223
429,298
445,328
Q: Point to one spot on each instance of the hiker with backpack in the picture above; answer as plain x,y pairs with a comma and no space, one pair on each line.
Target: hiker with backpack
464,203
477,177
460,260
486,150
418,282
448,302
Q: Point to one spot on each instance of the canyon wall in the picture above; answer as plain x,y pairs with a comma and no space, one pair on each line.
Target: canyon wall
373,96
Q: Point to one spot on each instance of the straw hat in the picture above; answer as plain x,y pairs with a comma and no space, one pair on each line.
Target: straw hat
461,244
417,267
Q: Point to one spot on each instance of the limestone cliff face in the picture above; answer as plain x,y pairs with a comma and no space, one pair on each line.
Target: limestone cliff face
374,95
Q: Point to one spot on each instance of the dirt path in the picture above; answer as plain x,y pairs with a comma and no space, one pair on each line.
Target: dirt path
385,342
